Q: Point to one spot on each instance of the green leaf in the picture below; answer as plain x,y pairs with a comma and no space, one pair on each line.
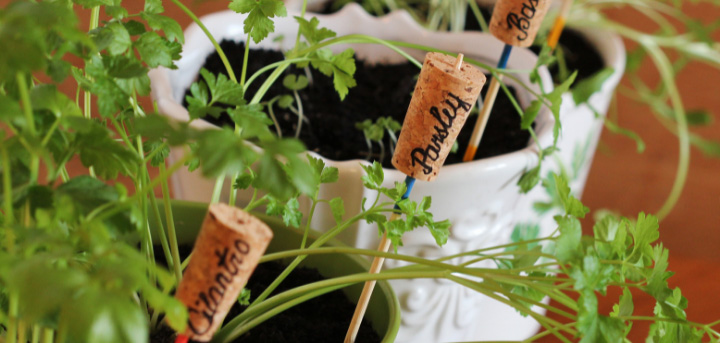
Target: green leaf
117,12
311,32
135,27
295,82
258,23
584,89
222,151
272,177
699,117
222,89
343,72
107,156
83,194
374,175
10,111
253,122
644,232
634,59
329,175
440,231
555,98
568,245
160,155
123,67
100,317
121,41
30,279
572,205
531,112
153,6
625,306
47,97
292,216
524,232
285,101
157,51
169,26
244,180
529,179
337,207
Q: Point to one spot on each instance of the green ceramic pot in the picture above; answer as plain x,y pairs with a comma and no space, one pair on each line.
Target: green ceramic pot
384,309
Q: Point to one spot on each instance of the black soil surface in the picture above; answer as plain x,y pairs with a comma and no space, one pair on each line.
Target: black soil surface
579,54
324,319
382,91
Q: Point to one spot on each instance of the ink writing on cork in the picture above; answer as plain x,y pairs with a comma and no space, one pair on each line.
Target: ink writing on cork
516,22
226,253
444,95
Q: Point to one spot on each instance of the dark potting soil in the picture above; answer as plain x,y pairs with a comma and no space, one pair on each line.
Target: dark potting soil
382,91
324,319
579,54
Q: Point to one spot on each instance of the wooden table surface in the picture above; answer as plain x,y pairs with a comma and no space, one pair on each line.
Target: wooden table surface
627,182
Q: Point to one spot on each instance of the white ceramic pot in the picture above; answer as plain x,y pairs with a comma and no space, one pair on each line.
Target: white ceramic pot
480,198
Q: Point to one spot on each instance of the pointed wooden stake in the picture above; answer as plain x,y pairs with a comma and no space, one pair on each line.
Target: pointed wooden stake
435,83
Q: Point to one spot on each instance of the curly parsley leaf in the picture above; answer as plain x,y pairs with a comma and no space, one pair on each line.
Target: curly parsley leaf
258,23
311,32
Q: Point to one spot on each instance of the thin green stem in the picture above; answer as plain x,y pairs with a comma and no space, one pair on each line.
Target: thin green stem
275,310
7,194
665,69
309,220
155,152
28,112
318,242
227,333
478,16
161,231
172,235
214,42
35,337
271,66
217,190
364,39
269,82
245,61
51,131
112,208
11,335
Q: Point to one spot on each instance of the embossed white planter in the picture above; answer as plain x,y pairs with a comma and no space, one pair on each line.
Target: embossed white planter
480,198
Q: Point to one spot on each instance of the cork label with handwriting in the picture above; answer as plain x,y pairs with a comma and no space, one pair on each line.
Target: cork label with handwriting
226,253
516,22
442,99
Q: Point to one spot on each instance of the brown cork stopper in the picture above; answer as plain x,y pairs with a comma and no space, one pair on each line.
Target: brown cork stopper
443,97
516,22
226,252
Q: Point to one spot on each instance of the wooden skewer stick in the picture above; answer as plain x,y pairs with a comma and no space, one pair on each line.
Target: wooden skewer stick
484,115
442,82
528,12
377,264
559,24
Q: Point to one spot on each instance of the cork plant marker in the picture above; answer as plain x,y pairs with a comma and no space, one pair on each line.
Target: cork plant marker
444,94
226,252
516,23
